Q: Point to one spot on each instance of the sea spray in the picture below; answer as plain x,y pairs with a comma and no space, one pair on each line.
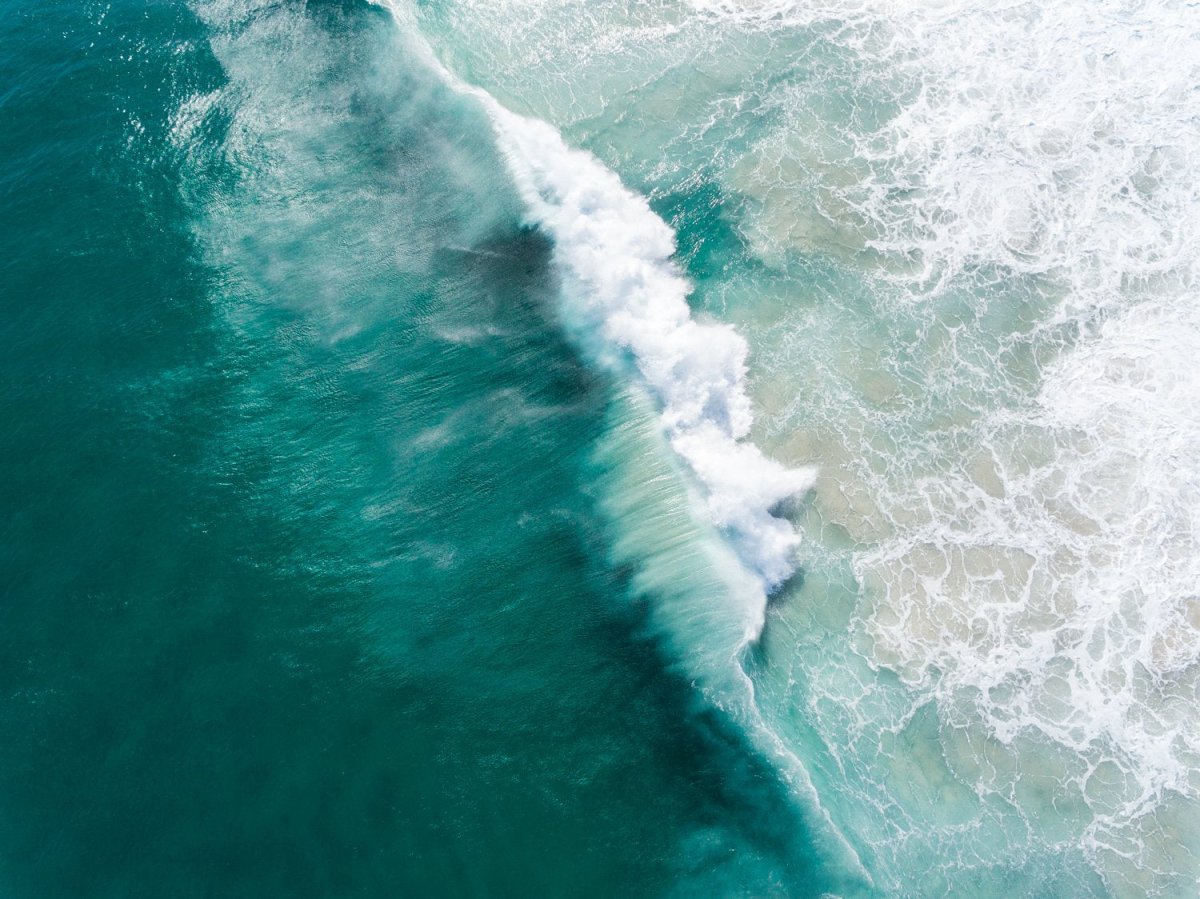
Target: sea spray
968,275
707,577
615,255
628,306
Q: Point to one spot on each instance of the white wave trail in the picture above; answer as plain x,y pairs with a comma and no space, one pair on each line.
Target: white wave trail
628,304
615,255
1033,567
628,301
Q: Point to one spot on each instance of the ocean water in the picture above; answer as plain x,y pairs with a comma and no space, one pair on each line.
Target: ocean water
568,448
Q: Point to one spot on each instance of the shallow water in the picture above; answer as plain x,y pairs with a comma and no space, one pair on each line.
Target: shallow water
959,241
720,448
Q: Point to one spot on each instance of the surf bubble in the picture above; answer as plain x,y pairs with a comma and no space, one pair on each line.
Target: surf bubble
615,257
627,305
1020,186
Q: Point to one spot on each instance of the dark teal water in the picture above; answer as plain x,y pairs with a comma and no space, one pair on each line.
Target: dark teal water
304,588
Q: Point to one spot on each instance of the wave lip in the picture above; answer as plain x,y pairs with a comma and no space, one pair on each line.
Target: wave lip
627,303
615,257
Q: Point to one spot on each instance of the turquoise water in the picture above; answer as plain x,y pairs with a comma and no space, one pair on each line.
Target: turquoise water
710,448
306,592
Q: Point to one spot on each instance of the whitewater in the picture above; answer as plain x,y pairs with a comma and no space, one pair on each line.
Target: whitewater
592,448
932,340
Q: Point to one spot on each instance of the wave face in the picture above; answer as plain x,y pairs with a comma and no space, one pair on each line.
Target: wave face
434,446
706,550
627,303
962,242
615,254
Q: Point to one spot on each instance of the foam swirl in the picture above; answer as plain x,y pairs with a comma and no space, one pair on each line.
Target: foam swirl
627,303
615,257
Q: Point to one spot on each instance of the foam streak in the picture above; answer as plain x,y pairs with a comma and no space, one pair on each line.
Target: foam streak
615,256
628,303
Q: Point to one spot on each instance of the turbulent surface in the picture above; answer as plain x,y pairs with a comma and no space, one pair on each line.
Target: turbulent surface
308,587
961,240
699,447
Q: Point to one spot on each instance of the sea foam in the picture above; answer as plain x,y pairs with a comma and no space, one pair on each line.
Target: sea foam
1005,422
615,257
627,304
1028,535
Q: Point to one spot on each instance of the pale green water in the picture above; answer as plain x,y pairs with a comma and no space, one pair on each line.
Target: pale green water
960,242
392,509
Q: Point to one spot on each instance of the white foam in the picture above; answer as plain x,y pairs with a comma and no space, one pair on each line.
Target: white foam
1022,494
627,299
615,255
1033,552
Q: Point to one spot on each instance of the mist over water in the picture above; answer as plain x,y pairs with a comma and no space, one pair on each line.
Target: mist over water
559,447
960,242
308,587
